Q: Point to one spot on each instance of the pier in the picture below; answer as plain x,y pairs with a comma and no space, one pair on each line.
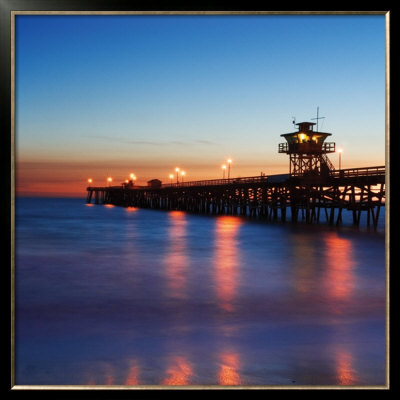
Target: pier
265,197
312,191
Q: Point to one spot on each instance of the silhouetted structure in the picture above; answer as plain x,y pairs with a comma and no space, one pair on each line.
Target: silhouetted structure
307,151
154,183
313,185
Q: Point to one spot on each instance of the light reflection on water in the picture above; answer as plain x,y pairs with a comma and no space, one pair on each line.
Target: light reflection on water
113,296
178,372
228,373
340,279
227,260
346,374
176,258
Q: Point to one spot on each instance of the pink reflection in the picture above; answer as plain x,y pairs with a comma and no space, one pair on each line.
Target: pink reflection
176,260
178,372
339,279
227,260
228,373
344,368
133,374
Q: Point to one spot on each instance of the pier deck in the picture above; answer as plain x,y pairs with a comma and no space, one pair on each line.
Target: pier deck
269,197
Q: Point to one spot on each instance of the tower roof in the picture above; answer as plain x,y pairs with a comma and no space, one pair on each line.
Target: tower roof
306,127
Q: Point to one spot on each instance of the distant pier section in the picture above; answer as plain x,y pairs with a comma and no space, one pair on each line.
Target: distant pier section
312,190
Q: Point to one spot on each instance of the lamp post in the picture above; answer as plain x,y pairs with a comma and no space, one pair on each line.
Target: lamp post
109,180
223,171
171,176
182,174
229,161
340,158
177,174
90,180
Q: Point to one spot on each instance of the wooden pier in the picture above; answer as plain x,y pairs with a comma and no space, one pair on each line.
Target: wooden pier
312,186
307,198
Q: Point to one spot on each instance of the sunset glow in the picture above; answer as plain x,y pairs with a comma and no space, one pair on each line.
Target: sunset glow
152,106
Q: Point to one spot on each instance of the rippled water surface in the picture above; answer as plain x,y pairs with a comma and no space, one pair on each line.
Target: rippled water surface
125,296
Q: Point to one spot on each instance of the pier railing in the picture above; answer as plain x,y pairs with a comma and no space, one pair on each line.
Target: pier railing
343,173
277,178
358,172
217,182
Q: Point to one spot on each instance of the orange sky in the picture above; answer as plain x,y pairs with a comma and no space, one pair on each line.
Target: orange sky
69,178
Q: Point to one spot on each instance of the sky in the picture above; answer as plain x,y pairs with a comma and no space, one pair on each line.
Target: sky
110,95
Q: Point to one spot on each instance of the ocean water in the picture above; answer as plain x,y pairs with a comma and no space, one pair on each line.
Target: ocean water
126,296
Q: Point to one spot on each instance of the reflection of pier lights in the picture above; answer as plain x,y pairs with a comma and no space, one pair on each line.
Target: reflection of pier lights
307,151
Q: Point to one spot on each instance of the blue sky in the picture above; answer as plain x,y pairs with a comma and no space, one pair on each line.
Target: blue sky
155,91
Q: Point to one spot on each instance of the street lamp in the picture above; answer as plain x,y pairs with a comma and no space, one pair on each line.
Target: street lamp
340,158
109,180
90,180
223,171
182,174
229,161
177,176
171,176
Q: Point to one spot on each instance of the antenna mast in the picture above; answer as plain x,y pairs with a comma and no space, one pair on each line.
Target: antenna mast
318,117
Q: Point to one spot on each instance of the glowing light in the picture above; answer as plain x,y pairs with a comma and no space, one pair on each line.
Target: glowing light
132,176
227,261
302,137
345,371
90,180
340,279
228,374
133,374
177,169
224,166
340,151
229,161
179,372
176,260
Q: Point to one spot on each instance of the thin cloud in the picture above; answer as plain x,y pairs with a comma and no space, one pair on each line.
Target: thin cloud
152,142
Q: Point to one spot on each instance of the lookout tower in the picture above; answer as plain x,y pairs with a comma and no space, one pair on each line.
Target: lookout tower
307,150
